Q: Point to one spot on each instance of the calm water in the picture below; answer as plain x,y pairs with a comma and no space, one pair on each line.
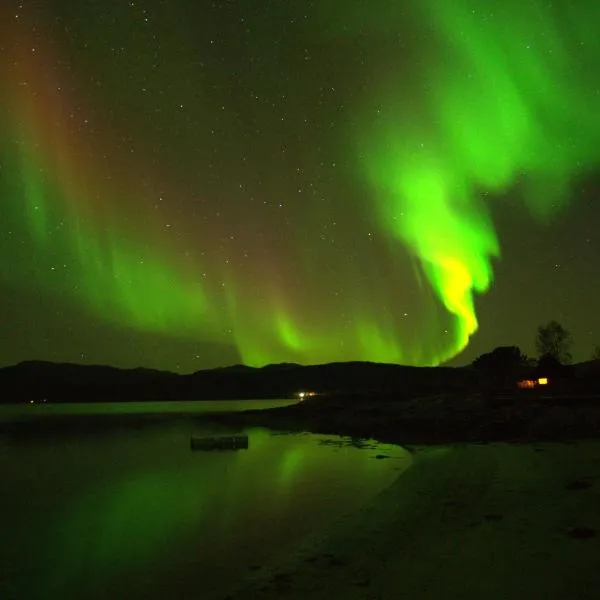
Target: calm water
131,512
26,411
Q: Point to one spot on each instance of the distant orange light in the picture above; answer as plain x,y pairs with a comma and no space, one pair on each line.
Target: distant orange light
526,383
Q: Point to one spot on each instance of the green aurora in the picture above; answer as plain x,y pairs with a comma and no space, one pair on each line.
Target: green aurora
508,105
499,100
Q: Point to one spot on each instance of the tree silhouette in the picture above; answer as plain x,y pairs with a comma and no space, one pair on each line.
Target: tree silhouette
503,365
502,360
596,353
555,341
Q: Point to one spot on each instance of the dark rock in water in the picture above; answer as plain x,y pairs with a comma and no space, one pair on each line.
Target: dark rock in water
281,582
225,442
582,533
493,517
334,561
578,484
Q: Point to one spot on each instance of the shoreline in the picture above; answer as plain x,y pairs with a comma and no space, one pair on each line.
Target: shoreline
500,502
465,521
435,420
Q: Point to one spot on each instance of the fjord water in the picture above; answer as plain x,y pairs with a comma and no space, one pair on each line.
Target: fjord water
128,510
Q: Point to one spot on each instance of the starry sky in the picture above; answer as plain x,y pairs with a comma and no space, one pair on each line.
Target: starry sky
187,184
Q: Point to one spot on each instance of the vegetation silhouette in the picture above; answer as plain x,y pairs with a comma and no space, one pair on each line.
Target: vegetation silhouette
554,340
549,366
502,366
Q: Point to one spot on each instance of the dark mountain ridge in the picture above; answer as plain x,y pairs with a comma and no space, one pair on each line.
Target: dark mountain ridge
66,382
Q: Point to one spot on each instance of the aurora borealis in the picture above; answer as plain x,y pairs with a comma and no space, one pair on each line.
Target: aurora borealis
192,184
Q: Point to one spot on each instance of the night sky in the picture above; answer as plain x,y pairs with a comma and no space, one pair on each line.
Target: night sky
187,184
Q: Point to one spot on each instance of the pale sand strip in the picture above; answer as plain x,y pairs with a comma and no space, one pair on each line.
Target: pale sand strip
480,522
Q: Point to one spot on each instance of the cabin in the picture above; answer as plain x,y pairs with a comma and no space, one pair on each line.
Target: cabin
525,384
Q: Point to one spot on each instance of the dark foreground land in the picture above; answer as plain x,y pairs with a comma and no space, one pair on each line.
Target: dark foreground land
501,501
478,417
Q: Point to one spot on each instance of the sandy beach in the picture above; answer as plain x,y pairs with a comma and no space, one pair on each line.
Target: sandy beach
468,521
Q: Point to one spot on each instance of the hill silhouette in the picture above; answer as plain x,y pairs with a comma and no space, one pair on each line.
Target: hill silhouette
66,382
59,382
